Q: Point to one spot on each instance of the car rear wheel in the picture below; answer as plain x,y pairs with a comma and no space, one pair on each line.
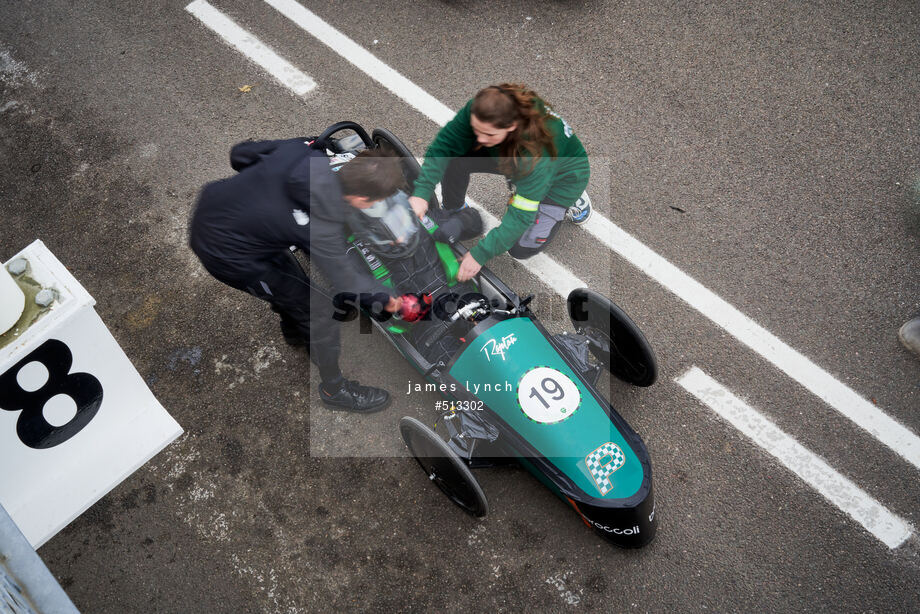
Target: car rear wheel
615,340
443,467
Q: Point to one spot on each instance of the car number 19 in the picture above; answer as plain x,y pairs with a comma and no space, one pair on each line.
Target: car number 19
547,395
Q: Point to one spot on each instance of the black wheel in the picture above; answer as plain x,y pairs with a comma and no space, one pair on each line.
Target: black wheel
387,141
615,340
444,467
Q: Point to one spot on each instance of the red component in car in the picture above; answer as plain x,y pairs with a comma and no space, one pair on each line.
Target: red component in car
414,307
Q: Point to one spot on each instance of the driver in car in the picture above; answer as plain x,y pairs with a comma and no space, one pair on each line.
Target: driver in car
390,229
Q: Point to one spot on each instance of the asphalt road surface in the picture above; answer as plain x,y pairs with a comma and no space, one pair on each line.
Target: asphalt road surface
769,153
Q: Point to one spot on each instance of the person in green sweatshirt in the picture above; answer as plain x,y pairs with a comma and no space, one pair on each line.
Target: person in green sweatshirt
507,129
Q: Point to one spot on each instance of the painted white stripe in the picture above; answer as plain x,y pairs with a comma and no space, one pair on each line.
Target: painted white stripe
815,379
364,60
890,529
251,47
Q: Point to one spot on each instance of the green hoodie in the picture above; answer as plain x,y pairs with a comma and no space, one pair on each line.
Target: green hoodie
561,179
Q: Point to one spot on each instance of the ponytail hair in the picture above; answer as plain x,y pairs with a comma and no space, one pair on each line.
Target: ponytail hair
512,104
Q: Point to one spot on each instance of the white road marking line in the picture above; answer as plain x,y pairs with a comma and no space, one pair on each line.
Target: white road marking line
890,529
251,47
815,379
364,60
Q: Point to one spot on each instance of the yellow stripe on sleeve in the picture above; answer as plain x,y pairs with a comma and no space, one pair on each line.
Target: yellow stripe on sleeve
524,204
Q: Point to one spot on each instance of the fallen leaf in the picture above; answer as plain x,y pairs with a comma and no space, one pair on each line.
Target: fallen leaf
245,88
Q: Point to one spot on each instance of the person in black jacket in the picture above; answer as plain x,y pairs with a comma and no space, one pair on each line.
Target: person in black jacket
285,194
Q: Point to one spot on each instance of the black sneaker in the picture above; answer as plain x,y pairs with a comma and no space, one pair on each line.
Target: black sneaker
352,396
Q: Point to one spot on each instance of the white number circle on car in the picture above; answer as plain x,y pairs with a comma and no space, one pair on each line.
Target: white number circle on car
547,395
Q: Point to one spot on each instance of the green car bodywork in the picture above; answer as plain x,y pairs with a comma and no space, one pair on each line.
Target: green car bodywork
569,443
570,437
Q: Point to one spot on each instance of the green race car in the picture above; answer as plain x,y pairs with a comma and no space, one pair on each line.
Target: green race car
517,393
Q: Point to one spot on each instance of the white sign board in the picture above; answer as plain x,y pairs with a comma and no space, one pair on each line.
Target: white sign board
76,418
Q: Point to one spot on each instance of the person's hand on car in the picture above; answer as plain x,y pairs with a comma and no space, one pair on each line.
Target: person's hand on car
469,268
419,206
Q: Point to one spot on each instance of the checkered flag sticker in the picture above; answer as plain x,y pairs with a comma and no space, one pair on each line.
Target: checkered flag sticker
603,462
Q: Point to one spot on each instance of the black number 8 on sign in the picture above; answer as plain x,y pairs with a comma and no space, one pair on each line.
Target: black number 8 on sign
85,390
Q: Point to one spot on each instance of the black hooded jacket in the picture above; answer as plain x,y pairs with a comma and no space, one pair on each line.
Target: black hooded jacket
284,194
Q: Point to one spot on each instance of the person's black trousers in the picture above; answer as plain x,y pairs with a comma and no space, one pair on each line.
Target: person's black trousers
456,178
456,181
283,284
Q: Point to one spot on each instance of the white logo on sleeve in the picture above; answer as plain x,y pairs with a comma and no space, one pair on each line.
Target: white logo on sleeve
566,128
301,217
